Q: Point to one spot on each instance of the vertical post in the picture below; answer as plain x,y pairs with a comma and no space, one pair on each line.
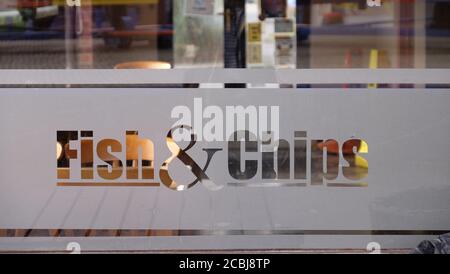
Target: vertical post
85,54
68,35
405,22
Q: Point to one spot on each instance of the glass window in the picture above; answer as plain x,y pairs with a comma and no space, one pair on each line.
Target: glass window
107,34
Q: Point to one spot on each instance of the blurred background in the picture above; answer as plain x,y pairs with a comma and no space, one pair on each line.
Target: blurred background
107,34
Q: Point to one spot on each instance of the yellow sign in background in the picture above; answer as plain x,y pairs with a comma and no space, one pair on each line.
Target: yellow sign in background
254,32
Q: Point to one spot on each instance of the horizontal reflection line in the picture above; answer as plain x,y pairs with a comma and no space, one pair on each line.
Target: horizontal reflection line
224,75
107,184
266,184
11,233
277,184
362,184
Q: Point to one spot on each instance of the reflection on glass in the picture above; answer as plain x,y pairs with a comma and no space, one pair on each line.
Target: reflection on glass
48,34
198,37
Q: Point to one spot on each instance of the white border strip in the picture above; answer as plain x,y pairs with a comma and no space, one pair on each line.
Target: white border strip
212,75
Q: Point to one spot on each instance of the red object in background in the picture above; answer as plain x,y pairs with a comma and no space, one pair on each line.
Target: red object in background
333,18
333,146
33,3
352,59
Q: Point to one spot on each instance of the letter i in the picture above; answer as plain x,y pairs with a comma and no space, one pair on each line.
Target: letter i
87,154
300,155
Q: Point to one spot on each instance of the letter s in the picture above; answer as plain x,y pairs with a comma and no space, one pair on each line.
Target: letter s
351,151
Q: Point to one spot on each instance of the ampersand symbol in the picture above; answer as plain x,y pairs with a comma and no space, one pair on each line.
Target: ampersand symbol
177,152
